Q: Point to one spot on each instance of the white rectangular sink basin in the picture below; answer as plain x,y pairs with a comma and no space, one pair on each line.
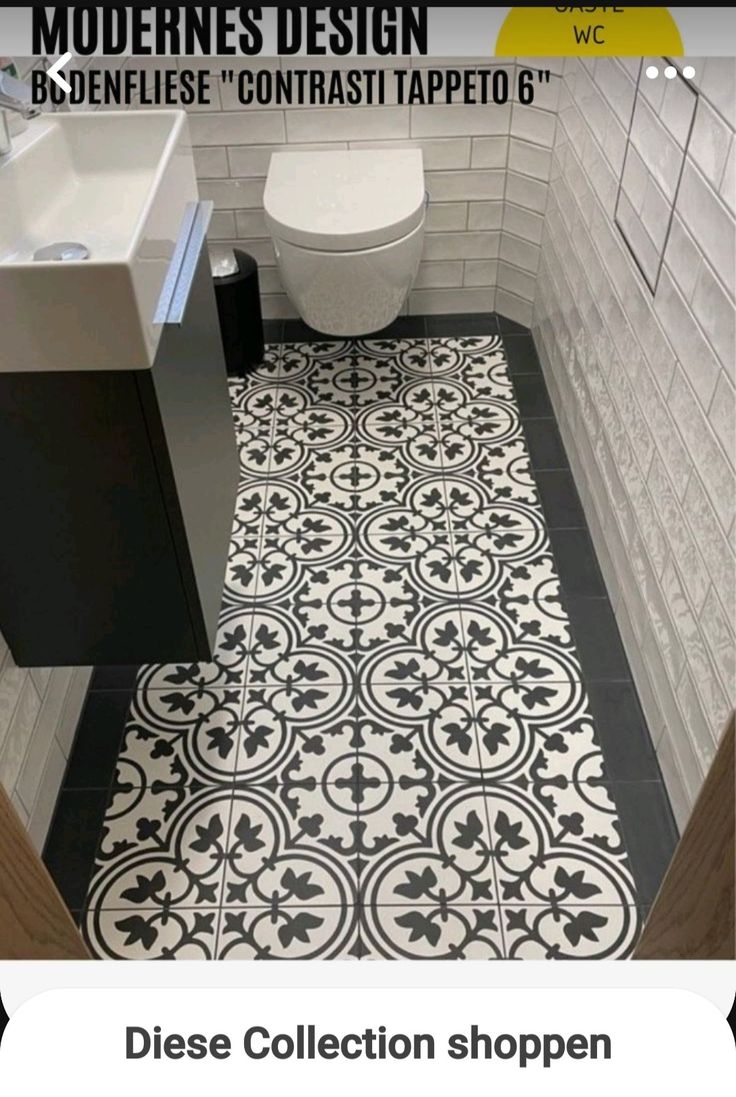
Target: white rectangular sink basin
117,183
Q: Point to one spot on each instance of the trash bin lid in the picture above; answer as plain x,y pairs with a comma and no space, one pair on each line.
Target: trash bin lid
223,262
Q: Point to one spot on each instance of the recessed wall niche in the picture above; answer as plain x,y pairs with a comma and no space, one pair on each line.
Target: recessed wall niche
659,131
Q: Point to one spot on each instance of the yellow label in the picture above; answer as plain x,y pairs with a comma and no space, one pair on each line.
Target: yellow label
589,32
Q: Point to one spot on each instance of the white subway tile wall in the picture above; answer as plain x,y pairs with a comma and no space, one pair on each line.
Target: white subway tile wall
474,214
39,712
643,385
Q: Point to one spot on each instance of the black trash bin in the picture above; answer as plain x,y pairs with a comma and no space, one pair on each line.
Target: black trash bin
239,308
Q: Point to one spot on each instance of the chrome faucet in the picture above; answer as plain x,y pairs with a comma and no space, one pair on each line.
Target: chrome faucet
15,96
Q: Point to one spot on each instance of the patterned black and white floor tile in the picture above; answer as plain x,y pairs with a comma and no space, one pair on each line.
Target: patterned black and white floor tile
391,754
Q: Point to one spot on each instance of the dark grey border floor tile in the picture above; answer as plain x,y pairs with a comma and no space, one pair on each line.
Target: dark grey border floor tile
74,836
455,324
625,740
403,327
521,355
105,678
649,832
511,327
577,563
545,445
597,639
532,396
273,331
296,331
560,500
98,740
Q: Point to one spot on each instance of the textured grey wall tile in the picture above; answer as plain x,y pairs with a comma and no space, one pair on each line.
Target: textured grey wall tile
715,312
19,733
456,186
717,552
721,642
682,258
233,193
242,128
522,253
678,107
43,808
449,216
453,120
530,124
717,81
617,86
514,307
211,163
250,224
687,338
528,159
433,275
527,192
728,183
679,537
696,722
12,679
489,152
438,155
722,413
515,280
716,471
523,223
682,799
462,245
709,222
709,143
466,299
485,215
222,225
269,280
708,688
344,124
276,306
482,272
43,735
249,160
657,148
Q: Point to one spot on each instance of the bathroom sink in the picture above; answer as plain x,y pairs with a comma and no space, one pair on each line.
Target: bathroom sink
116,183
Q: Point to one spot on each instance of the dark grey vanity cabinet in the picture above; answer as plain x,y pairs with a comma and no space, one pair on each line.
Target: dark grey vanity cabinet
117,494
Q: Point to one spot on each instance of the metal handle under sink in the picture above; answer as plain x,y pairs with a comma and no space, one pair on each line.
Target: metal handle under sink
175,291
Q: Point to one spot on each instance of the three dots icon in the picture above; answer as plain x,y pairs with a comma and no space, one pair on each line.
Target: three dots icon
670,72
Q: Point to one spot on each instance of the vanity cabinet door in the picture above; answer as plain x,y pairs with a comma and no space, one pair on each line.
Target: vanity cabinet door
187,406
117,495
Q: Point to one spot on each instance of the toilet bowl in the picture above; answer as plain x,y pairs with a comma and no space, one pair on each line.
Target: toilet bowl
347,229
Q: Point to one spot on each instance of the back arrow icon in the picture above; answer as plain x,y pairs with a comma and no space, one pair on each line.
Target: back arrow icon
53,72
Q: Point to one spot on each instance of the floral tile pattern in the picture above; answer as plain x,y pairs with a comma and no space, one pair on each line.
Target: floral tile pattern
391,753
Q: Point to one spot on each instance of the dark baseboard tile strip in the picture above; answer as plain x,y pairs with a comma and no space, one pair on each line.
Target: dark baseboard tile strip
403,327
76,828
521,355
71,846
649,832
647,821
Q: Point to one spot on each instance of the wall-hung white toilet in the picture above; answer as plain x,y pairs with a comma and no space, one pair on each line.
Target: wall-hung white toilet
348,229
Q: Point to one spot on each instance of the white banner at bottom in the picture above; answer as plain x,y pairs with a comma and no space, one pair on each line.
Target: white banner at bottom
351,1041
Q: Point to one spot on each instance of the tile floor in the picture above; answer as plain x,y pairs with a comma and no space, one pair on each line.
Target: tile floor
393,752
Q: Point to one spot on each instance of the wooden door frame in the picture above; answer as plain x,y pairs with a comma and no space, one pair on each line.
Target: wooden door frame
34,921
693,915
